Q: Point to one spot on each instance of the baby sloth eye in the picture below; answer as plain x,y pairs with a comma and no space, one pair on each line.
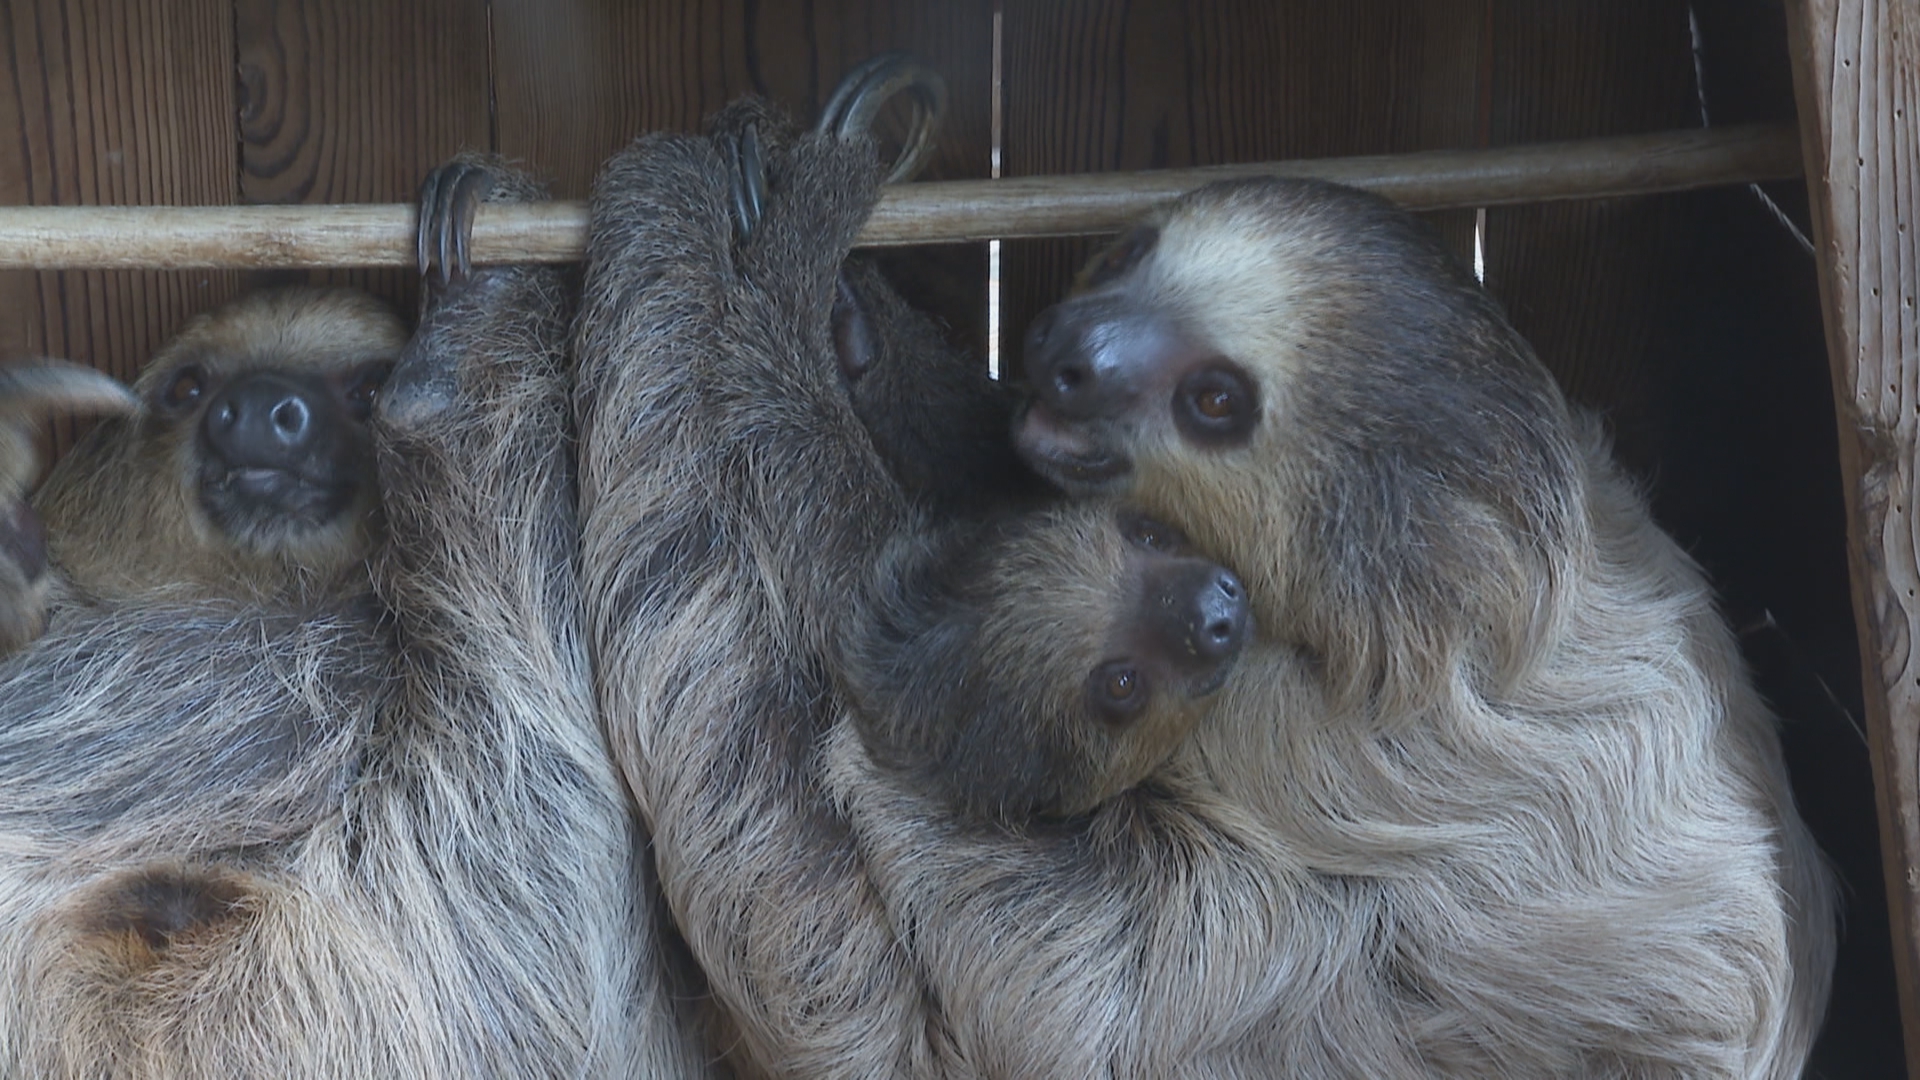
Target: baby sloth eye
185,388
1119,690
1153,535
360,395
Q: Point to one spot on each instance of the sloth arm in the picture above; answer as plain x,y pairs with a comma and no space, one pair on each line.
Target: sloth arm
492,758
729,507
1156,936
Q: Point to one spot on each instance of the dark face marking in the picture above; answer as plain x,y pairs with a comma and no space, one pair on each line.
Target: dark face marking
282,453
1216,405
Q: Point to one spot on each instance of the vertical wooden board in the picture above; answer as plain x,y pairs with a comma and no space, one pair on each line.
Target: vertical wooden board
1857,79
113,102
1100,85
354,101
1584,281
577,80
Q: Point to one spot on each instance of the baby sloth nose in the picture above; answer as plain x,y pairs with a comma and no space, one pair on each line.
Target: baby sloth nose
1220,616
261,420
1200,615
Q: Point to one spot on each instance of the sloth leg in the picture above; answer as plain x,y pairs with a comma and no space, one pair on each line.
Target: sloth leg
28,391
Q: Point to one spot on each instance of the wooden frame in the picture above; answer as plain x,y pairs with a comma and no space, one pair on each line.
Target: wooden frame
1856,72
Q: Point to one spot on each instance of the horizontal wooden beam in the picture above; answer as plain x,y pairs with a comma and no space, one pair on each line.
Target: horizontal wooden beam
149,237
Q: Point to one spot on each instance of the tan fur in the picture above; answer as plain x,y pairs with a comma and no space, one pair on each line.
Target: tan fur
122,516
372,833
28,390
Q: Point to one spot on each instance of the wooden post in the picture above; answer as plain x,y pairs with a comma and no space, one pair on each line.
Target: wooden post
1857,78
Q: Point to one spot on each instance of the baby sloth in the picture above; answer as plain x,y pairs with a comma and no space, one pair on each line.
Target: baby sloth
1041,663
248,470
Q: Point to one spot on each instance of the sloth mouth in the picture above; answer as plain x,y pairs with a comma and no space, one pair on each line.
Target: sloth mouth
1065,454
252,498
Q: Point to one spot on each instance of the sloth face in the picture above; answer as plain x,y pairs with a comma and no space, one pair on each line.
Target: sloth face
264,409
1287,370
1048,664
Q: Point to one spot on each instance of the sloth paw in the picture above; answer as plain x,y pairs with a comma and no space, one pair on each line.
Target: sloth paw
449,198
28,391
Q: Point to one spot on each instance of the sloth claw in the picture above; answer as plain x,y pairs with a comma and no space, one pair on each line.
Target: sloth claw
749,163
449,197
851,109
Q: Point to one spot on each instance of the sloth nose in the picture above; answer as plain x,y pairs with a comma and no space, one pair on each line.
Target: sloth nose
1091,357
1220,615
1200,614
1072,365
261,420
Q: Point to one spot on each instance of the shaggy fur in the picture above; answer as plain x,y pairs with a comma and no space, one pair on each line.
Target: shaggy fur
765,543
1490,796
27,391
378,835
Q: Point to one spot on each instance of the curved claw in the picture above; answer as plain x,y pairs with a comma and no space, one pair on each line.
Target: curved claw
750,179
857,100
449,198
37,387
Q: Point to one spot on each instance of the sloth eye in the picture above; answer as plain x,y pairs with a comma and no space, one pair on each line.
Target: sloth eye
1118,689
360,395
1216,405
1153,535
185,387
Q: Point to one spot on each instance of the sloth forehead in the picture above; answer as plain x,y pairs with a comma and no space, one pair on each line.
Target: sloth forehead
306,328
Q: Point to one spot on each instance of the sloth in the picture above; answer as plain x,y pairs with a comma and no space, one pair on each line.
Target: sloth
801,524
307,780
248,470
1518,808
1487,795
240,465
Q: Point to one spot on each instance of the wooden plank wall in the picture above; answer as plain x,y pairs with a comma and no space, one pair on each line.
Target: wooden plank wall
1857,76
193,102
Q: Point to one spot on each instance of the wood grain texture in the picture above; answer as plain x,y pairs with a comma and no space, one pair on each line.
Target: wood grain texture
1587,283
354,101
1857,78
577,80
1100,85
376,234
113,102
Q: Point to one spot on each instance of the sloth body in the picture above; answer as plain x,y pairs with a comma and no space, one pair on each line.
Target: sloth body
1506,778
331,802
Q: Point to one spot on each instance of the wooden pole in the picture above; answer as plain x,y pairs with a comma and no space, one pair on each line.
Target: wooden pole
150,237
1856,69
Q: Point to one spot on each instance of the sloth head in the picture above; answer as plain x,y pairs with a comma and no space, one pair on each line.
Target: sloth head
1044,664
249,467
1303,378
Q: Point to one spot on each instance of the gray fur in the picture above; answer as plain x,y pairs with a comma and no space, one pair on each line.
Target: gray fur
375,836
